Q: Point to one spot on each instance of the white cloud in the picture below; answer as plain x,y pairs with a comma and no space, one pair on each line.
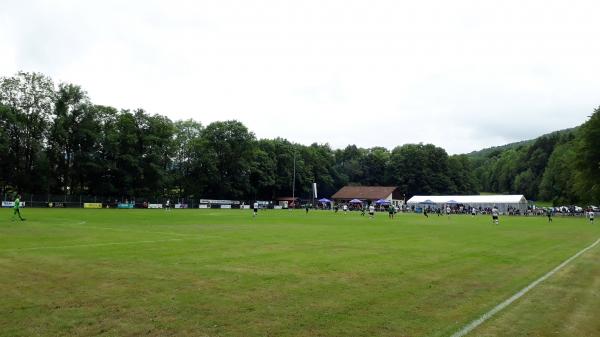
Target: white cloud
462,75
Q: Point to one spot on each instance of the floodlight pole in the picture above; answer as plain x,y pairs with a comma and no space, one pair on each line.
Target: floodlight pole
294,181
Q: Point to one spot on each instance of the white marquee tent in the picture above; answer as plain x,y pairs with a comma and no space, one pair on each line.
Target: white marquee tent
503,202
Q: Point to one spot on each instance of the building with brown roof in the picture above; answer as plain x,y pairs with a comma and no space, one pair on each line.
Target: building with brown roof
369,194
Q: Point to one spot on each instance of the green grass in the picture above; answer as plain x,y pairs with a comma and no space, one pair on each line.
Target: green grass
286,273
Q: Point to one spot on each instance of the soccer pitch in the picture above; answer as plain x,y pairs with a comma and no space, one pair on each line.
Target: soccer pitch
76,272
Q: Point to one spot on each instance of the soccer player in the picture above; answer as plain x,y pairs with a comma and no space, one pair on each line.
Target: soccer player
473,211
391,211
255,208
549,214
495,215
306,206
591,215
425,212
168,205
345,208
371,211
16,208
362,210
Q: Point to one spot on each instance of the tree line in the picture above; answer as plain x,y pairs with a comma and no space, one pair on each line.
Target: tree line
55,140
562,167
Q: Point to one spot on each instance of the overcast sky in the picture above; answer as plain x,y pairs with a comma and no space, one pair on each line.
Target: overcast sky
462,75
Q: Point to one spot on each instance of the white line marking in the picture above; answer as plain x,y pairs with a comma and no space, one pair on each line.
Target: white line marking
91,245
468,328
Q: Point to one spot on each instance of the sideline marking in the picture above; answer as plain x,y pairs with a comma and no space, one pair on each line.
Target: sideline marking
89,245
468,328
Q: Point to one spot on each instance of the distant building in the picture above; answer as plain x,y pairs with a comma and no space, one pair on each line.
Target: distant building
286,202
369,194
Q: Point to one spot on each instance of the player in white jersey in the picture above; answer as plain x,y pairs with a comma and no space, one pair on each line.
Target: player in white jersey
495,215
255,209
371,211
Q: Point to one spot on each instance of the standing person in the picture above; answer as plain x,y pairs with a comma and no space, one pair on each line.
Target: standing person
371,211
168,205
591,215
362,210
345,208
306,208
17,208
255,209
495,215
391,211
425,213
549,214
473,211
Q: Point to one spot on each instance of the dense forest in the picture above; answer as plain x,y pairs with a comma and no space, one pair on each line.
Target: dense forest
54,140
562,167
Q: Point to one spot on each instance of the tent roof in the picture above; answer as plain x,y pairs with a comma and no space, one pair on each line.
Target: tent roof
364,192
469,199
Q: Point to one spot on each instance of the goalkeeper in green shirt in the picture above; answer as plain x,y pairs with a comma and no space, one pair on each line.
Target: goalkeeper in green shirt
16,209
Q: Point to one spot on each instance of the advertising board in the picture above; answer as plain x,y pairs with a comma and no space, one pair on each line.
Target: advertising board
10,204
219,202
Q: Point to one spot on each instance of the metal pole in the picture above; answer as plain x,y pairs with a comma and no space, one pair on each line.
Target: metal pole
294,182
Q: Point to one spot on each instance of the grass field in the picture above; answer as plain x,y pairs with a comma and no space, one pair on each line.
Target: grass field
286,273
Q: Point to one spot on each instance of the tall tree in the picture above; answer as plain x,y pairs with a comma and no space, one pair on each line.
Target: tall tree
374,166
155,148
420,169
231,147
276,167
73,140
186,140
588,160
349,165
558,181
29,98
